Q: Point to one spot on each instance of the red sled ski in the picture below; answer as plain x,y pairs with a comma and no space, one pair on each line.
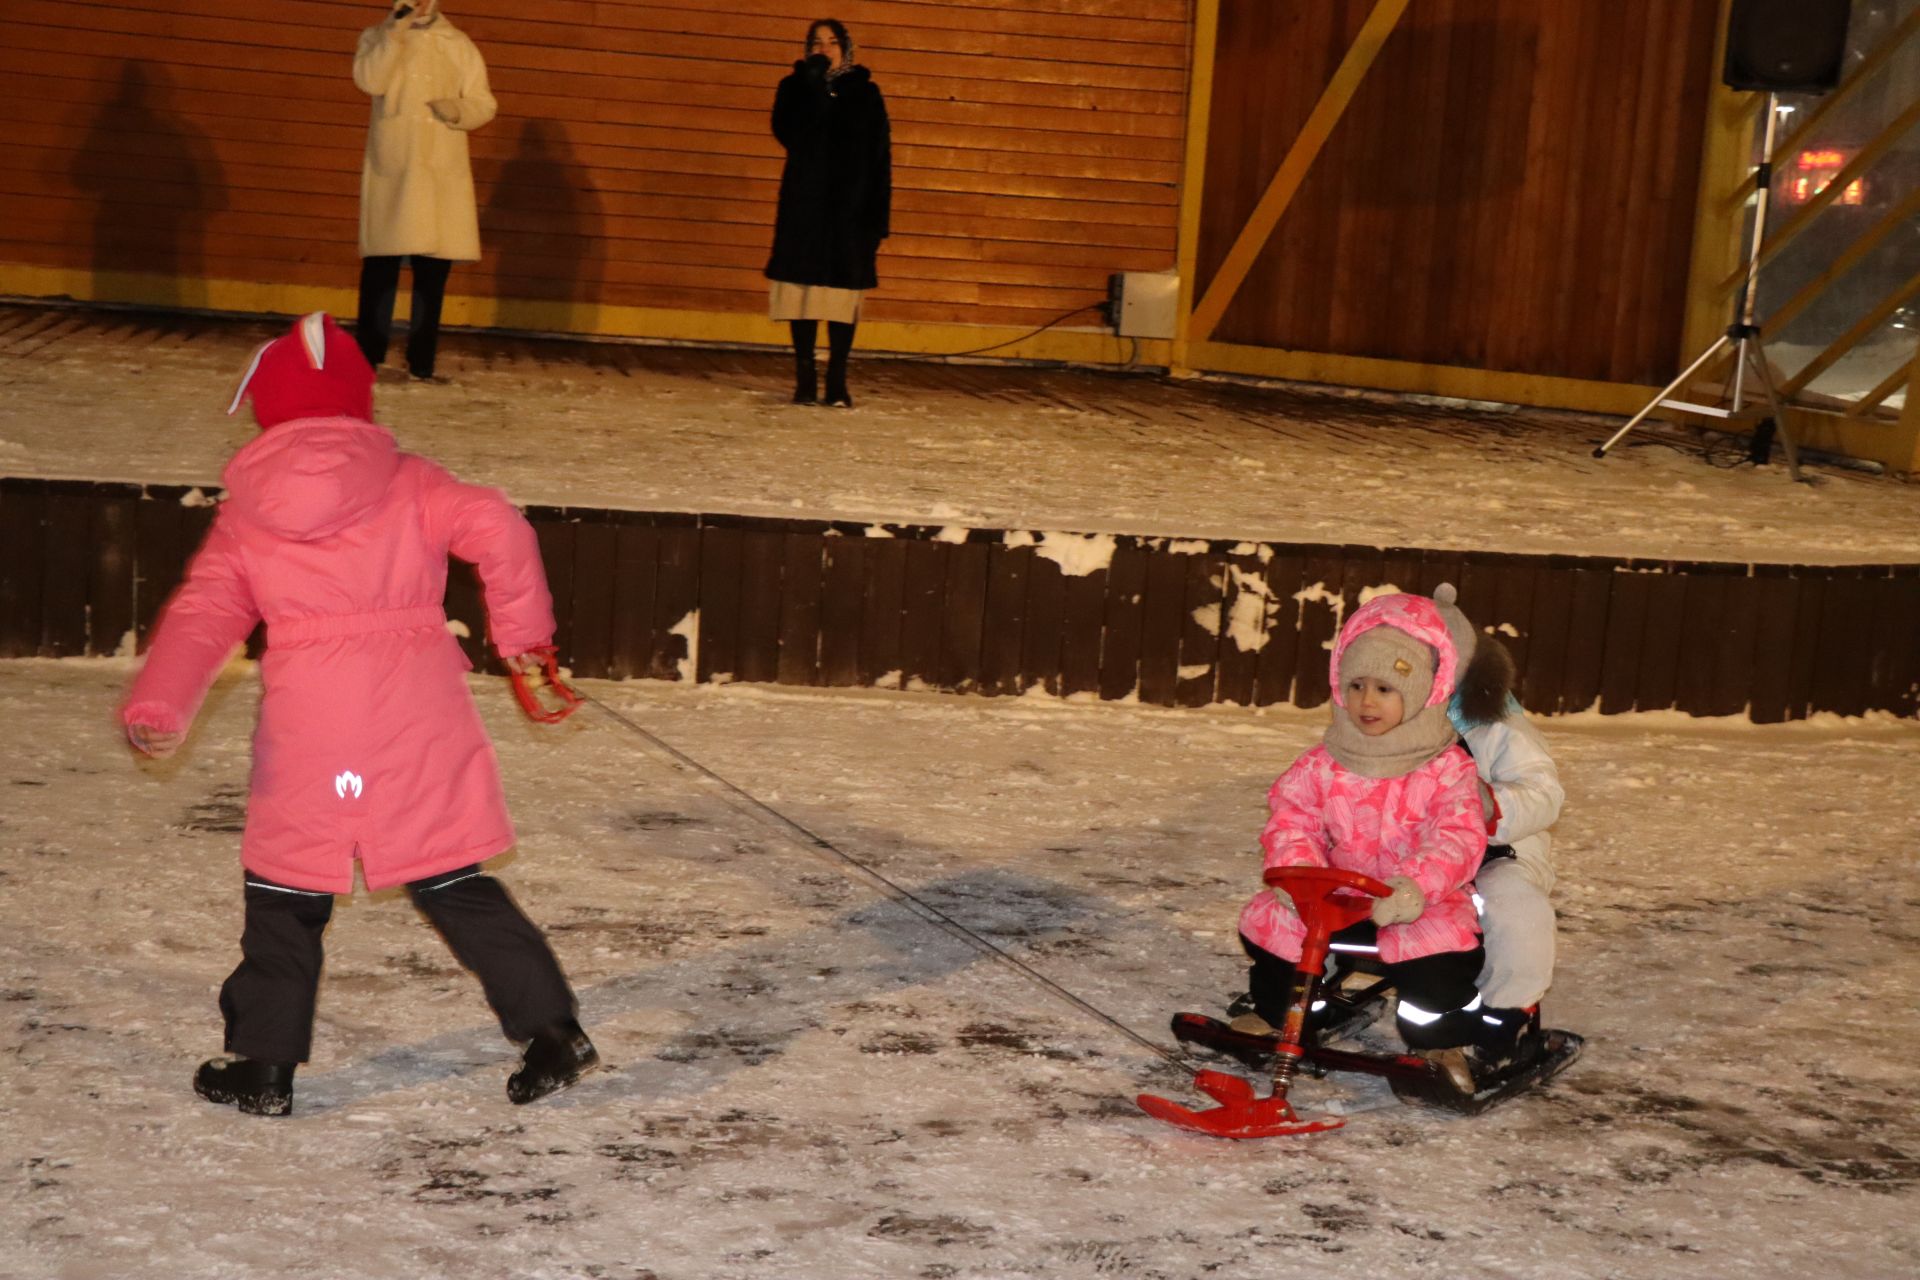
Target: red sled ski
1328,900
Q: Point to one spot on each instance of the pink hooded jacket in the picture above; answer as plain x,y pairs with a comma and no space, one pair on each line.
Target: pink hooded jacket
1425,825
369,744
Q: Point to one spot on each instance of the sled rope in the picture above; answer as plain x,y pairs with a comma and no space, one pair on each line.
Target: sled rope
888,888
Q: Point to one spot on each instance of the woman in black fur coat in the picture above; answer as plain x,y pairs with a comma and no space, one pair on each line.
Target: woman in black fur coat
836,195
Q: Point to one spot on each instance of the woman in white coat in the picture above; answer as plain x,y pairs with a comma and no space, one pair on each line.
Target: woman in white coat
429,90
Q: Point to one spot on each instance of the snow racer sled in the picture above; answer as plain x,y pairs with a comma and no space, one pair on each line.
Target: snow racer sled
1329,900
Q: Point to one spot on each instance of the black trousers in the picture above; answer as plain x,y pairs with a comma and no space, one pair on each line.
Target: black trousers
379,286
268,1001
1439,1003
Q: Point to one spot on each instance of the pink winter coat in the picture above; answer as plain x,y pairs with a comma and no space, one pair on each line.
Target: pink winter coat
1425,825
368,745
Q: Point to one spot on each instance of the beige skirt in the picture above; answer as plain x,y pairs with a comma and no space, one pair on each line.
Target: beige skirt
787,301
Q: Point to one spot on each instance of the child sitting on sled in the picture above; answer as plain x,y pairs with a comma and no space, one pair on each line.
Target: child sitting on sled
1520,797
1390,793
368,749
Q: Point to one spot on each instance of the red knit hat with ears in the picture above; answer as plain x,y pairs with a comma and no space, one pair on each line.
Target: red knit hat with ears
315,371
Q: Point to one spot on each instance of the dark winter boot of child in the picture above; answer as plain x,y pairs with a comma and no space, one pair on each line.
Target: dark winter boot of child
1328,1019
806,381
1512,1042
555,1058
257,1088
839,346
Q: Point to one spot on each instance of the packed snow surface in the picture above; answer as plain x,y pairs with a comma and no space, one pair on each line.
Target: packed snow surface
807,1080
104,396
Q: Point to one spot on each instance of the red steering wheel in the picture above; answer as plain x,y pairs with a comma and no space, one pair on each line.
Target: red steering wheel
1328,900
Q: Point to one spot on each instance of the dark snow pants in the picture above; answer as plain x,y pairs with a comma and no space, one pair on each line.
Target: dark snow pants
1439,1003
379,286
268,1001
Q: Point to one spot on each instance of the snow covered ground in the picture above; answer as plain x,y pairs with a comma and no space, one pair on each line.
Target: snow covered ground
807,1081
114,396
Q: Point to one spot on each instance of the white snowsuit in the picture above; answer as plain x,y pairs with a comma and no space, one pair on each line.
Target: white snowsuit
416,183
1517,921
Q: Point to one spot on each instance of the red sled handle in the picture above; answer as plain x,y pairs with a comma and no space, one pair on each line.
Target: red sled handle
563,701
1327,899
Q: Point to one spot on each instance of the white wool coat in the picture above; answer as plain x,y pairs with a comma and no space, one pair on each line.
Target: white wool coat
416,184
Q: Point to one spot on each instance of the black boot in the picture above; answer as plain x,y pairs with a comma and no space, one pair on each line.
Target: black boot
1509,1043
555,1058
1512,1041
806,382
839,345
257,1088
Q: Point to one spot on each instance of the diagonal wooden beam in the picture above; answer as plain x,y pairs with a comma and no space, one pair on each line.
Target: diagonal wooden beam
1193,169
1897,218
1293,169
1901,373
1847,341
1804,215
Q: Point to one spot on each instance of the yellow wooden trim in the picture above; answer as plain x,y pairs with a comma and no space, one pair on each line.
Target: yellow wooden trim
1293,169
1895,446
1193,171
1895,218
575,319
1910,416
1884,388
1804,215
1851,338
1874,60
1719,218
1452,381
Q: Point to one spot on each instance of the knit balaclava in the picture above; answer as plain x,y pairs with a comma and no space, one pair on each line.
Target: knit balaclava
1395,659
1401,641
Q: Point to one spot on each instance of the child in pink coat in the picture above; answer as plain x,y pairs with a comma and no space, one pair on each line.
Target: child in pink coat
1390,793
369,749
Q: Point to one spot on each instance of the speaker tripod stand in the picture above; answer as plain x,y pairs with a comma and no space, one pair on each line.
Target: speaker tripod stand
1743,335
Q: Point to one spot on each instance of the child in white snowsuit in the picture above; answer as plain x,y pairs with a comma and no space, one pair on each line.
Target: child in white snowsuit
1520,796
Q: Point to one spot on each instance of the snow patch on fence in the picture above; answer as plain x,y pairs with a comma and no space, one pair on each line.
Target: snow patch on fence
688,629
1078,554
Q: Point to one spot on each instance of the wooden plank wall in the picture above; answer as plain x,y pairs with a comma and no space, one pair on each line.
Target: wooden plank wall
1037,146
85,566
1512,188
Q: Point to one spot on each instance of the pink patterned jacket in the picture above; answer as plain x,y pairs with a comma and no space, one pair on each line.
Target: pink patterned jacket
1424,825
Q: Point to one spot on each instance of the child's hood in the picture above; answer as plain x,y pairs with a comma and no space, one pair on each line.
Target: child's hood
309,478
1418,617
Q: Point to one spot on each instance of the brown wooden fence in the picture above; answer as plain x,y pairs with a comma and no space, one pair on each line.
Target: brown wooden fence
85,566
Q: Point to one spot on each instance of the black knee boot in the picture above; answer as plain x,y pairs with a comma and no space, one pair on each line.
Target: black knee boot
806,383
839,344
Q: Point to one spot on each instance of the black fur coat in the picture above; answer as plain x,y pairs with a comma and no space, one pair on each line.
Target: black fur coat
836,192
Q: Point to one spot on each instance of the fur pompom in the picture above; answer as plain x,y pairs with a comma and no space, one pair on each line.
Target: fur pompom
1487,681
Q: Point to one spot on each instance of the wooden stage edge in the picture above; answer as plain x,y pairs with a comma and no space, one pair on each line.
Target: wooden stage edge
1175,622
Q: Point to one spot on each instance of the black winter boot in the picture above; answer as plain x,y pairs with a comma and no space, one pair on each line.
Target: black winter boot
839,346
806,380
257,1088
555,1058
1510,1042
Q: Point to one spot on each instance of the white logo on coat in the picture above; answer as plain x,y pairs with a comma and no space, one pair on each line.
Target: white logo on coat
347,781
